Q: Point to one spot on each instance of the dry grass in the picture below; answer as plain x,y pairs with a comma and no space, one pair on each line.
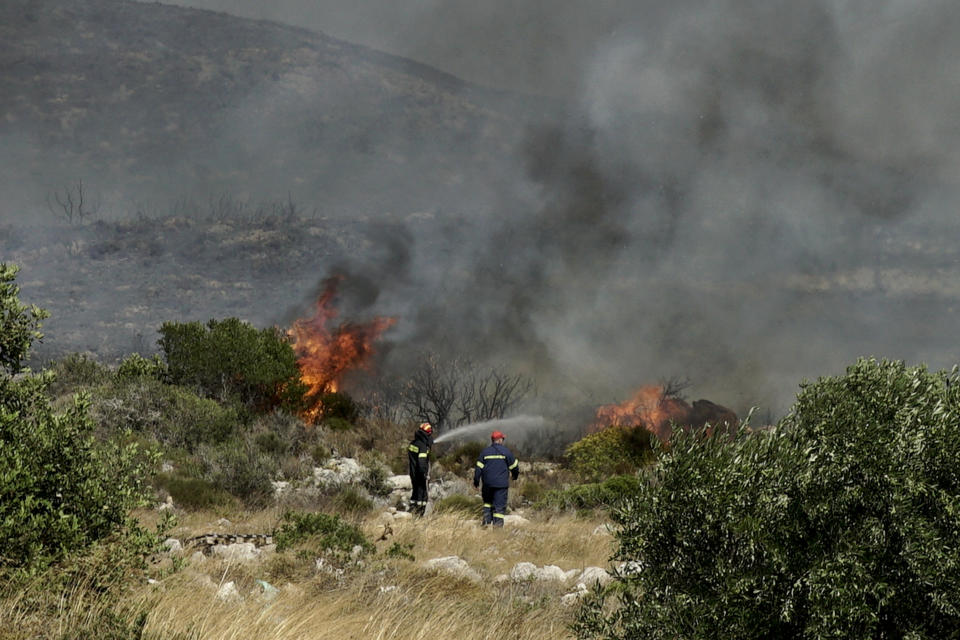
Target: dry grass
386,597
389,597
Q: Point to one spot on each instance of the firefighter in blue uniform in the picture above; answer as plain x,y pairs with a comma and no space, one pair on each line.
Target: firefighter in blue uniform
418,456
495,466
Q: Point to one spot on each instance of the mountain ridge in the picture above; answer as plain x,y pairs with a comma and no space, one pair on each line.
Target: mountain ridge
162,100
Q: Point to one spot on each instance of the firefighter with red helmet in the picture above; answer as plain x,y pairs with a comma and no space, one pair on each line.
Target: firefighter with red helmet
418,453
495,467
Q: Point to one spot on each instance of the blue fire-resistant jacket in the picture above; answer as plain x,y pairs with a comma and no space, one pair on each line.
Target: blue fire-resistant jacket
494,466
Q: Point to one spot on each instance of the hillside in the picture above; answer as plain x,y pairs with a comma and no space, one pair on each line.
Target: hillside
148,102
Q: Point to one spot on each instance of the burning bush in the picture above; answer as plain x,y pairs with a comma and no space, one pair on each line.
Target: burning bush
843,522
324,354
660,409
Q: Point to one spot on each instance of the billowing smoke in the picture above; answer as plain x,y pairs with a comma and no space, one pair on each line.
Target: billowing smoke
741,193
731,199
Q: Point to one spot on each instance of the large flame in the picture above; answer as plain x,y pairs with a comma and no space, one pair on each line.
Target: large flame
324,355
650,408
659,412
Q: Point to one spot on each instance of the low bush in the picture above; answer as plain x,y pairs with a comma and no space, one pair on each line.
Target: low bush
375,478
608,494
192,493
353,502
77,372
240,468
472,505
463,458
174,416
614,450
136,366
325,532
226,359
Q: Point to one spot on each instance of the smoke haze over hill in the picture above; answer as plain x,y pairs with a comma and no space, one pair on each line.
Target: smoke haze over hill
742,193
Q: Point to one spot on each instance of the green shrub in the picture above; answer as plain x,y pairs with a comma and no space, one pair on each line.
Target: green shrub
231,359
401,551
326,532
136,366
532,491
375,480
192,493
77,372
597,495
461,503
337,424
240,468
843,522
174,416
614,450
352,501
340,406
61,492
463,457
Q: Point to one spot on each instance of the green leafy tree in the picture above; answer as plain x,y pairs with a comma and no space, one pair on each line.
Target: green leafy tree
842,522
60,490
19,324
229,358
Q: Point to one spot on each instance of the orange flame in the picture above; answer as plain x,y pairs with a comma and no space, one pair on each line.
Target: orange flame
649,408
325,355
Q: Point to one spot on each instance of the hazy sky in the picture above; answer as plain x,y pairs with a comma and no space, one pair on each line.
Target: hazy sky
743,192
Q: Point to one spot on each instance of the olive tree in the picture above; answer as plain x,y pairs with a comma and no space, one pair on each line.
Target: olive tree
60,490
841,522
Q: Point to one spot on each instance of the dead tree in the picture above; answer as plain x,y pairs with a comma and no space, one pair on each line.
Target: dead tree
431,392
490,395
72,204
456,392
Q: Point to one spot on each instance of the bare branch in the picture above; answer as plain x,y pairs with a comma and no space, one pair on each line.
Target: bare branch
72,204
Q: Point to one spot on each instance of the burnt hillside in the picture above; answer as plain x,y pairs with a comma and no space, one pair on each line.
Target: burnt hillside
147,101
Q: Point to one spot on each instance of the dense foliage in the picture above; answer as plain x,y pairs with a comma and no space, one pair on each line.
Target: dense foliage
616,449
329,533
842,522
60,491
593,495
230,359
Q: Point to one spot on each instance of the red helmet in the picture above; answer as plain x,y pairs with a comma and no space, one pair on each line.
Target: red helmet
426,427
497,435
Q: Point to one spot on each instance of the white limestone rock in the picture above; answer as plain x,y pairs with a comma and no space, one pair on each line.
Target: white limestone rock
515,521
573,598
237,552
595,575
400,483
551,573
523,571
454,565
172,545
338,471
228,593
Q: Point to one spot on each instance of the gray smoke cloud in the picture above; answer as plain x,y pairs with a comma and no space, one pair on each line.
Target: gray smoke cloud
743,193
733,198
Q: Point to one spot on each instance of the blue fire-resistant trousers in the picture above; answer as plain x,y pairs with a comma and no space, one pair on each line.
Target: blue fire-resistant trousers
494,505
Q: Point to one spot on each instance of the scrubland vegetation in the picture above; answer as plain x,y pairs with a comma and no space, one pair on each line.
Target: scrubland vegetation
840,521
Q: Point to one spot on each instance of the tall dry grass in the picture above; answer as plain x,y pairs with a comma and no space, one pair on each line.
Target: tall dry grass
390,597
387,597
